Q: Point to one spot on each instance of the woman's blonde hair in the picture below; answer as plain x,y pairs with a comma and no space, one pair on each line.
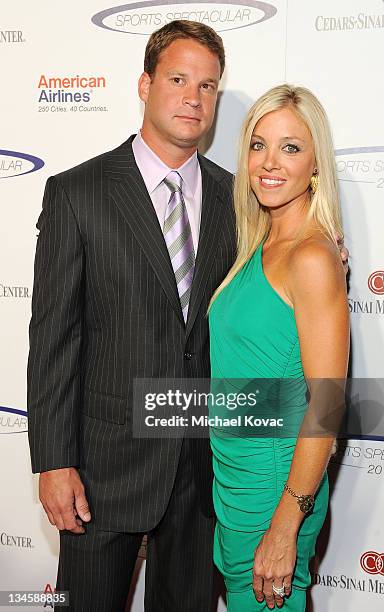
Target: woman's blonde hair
252,220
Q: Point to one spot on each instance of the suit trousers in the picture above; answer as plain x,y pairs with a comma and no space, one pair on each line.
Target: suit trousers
96,567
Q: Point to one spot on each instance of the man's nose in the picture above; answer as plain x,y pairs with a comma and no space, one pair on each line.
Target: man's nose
192,96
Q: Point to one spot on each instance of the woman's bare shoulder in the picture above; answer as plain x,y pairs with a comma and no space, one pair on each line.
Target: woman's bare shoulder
315,264
314,250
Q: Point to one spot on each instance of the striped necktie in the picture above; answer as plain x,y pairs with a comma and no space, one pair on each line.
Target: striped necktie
178,238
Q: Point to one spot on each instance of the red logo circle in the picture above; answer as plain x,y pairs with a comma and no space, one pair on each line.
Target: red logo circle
376,282
372,562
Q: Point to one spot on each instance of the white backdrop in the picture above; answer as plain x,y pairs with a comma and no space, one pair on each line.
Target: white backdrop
336,49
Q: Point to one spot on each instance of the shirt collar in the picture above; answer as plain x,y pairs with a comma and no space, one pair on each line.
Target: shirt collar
154,171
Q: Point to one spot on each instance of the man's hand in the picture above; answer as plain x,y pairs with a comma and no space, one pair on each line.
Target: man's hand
63,498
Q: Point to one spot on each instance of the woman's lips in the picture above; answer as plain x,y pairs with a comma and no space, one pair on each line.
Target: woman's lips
269,182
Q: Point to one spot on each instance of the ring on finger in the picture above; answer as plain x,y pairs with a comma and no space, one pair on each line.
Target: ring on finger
279,590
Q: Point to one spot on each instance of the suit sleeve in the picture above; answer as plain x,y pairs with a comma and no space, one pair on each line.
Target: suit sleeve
55,333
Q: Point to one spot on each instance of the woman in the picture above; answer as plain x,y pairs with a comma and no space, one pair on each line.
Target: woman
280,313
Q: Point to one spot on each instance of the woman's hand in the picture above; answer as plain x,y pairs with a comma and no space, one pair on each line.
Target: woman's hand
275,559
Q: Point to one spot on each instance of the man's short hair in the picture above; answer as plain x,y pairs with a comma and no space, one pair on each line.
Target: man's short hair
179,29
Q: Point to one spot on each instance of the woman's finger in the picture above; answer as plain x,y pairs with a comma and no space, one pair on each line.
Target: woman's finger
258,587
278,584
288,584
268,593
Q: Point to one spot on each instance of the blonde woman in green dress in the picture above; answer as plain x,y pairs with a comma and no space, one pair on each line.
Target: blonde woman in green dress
281,312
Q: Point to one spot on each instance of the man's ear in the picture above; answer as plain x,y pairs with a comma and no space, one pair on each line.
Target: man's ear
143,86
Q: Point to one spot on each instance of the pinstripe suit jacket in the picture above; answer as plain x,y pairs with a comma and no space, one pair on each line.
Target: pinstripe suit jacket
105,310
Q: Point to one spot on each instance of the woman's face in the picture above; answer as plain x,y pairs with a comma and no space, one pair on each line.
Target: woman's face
281,159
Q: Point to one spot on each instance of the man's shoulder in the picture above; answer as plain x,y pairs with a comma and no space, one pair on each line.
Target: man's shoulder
219,173
93,166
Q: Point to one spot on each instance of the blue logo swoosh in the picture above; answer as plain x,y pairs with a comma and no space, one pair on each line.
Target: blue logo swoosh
36,161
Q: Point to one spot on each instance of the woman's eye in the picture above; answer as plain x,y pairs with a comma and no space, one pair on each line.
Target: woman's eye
291,148
257,146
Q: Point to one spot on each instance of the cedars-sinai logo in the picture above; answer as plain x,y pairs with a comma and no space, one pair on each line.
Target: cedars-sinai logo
145,17
376,282
13,163
372,562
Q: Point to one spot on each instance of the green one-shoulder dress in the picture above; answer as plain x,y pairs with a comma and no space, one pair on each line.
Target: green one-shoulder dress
253,336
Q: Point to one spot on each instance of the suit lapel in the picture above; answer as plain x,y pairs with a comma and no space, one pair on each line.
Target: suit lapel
127,189
210,231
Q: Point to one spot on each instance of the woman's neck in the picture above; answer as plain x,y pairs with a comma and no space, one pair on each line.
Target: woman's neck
287,221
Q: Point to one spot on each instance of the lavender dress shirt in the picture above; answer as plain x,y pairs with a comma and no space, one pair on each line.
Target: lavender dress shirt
154,171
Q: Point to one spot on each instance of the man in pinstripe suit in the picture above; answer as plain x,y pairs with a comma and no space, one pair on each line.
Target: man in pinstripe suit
109,305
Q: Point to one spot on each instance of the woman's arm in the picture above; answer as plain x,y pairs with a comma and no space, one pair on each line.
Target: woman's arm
316,285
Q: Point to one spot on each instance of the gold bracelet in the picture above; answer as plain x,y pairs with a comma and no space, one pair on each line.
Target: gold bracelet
305,502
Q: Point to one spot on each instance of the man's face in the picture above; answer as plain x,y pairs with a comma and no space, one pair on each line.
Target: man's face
180,99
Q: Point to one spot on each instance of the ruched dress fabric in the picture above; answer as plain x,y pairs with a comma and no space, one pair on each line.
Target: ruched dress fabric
253,335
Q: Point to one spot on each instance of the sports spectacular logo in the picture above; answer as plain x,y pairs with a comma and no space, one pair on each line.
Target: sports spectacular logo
145,17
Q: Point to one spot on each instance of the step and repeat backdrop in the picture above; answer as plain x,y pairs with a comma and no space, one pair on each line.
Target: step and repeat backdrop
69,92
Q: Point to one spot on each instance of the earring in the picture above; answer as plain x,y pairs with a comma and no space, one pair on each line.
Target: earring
314,181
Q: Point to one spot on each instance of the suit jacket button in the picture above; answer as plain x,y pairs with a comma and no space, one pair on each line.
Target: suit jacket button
188,356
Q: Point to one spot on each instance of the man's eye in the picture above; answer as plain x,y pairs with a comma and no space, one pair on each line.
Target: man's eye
291,148
177,80
208,86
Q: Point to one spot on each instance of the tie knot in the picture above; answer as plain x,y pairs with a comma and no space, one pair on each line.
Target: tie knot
173,181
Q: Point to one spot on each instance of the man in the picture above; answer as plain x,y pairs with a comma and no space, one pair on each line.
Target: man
129,254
